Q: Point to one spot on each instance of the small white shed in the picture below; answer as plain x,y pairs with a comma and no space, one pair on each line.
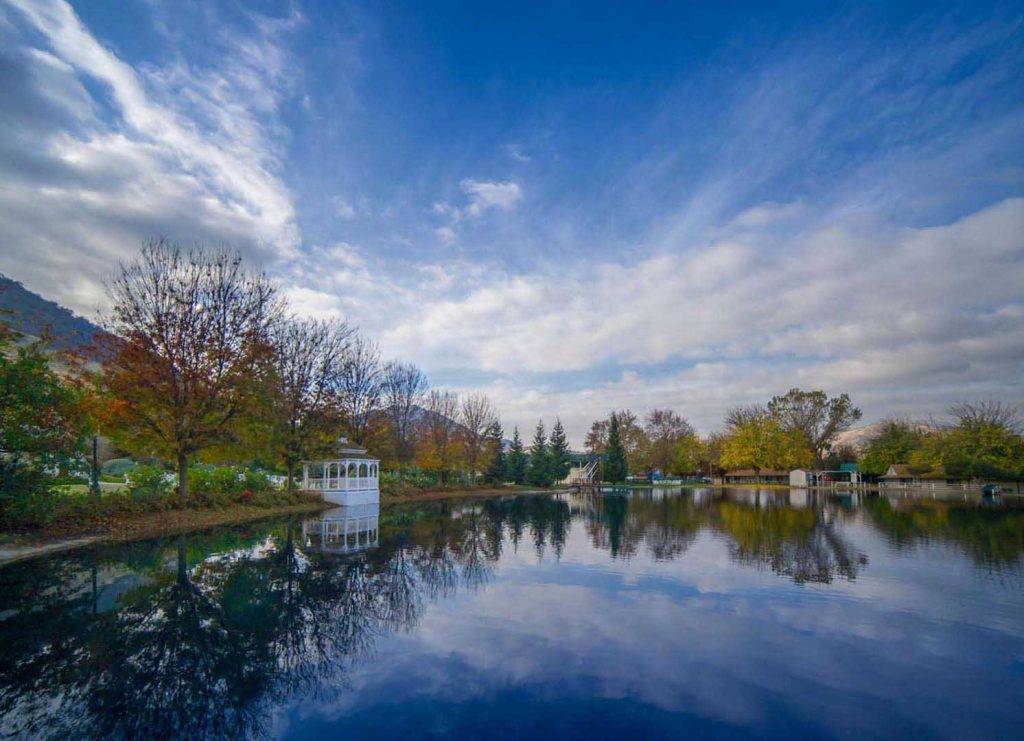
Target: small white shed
800,478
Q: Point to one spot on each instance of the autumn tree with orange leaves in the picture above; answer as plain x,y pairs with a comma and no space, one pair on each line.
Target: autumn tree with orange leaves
191,328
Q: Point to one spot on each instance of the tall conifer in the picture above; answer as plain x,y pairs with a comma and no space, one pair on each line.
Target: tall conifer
558,452
540,465
516,461
615,468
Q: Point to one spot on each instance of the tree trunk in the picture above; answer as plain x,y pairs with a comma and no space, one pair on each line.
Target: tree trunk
182,564
182,478
291,476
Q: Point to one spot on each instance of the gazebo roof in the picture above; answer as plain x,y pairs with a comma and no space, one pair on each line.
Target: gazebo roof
344,450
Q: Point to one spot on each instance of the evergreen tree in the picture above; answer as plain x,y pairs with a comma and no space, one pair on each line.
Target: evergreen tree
558,452
615,467
496,468
516,460
540,463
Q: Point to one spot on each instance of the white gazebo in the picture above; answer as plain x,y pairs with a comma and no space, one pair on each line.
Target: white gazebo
345,529
352,477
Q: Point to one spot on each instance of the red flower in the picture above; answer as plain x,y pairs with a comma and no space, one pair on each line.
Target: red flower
247,495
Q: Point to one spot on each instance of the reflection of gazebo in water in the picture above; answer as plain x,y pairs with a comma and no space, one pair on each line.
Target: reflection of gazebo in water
349,477
344,529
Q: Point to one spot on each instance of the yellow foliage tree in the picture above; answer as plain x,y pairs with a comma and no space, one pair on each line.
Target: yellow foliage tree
761,443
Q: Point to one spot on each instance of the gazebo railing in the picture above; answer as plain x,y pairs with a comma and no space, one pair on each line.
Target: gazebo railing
342,483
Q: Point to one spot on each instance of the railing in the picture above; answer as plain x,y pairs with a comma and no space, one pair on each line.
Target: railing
344,483
346,534
581,474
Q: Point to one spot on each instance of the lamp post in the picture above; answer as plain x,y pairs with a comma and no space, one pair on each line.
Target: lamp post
94,479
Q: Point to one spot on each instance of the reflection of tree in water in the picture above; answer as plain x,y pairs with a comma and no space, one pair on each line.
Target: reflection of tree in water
547,518
797,543
206,645
992,536
619,522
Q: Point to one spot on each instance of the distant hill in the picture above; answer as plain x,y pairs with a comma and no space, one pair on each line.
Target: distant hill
32,315
858,438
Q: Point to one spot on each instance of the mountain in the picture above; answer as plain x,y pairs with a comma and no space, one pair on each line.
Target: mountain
859,437
31,314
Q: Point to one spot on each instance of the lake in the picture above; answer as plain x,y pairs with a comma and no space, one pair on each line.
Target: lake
615,614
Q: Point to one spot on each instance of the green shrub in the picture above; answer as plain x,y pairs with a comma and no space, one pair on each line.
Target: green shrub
226,480
118,467
25,497
257,481
148,486
29,509
408,478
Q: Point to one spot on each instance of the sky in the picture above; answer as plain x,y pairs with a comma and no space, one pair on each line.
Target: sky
571,208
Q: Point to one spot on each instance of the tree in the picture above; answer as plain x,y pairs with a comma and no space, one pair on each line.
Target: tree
403,387
596,441
897,441
763,443
665,431
690,455
558,452
985,442
737,417
989,413
496,466
41,418
440,426
359,387
634,440
190,329
818,418
477,416
308,355
615,465
516,461
540,463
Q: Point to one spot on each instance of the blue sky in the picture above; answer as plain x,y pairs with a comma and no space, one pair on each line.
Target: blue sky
570,208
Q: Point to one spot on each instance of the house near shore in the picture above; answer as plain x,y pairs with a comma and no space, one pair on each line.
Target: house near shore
846,473
899,473
751,476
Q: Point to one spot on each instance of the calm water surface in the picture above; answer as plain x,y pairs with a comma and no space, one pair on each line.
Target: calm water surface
612,615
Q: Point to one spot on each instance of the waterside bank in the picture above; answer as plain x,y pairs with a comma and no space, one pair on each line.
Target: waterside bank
64,535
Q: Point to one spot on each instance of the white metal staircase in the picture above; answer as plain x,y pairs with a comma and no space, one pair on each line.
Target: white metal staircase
581,475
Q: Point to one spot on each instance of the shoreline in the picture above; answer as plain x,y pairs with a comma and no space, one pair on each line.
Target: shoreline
139,526
59,538
435,495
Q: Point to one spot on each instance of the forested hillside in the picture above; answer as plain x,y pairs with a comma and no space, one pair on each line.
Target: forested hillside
31,314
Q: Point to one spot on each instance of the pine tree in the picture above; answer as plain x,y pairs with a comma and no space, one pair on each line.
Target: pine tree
496,468
540,464
558,452
516,460
615,467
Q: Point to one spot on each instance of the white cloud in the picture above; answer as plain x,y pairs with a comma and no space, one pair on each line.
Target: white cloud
344,210
484,195
121,153
767,214
516,152
904,319
446,234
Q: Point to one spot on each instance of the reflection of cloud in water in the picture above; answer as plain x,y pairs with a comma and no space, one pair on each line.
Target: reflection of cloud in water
713,608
